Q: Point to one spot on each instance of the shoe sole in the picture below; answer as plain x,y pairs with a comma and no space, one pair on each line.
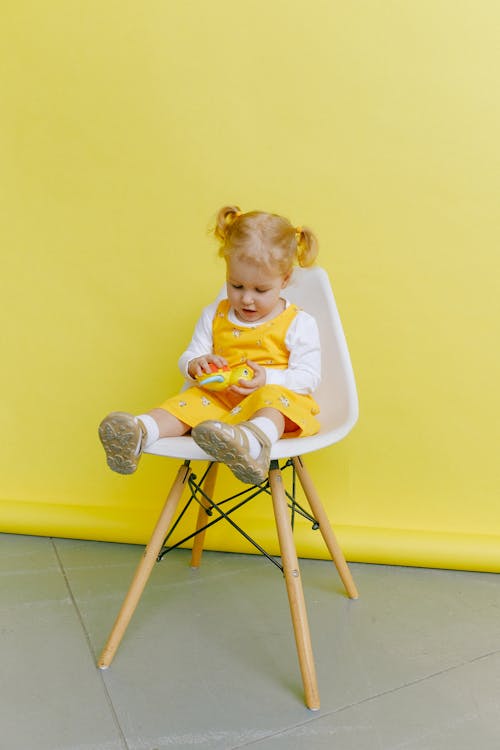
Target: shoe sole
222,449
119,434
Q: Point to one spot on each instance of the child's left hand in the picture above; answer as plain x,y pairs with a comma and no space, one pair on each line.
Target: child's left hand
245,387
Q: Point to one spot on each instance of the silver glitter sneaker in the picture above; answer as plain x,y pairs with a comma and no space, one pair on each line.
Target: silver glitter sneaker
228,444
122,436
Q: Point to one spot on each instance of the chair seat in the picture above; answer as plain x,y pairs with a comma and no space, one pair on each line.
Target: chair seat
185,447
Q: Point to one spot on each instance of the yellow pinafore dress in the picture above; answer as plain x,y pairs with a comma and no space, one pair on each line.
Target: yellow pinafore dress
265,345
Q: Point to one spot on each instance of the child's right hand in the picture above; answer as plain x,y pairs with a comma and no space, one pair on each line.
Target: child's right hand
200,365
258,379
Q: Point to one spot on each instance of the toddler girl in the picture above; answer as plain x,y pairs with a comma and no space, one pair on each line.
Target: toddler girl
254,325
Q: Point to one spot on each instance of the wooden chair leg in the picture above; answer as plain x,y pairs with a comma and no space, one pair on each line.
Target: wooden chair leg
208,489
325,527
144,568
294,588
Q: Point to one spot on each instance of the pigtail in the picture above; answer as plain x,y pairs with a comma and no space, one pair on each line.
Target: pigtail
264,238
225,218
307,246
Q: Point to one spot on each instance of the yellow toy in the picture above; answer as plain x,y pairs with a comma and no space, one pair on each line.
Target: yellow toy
222,377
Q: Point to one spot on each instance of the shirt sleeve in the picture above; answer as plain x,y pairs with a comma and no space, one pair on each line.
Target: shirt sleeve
303,374
202,341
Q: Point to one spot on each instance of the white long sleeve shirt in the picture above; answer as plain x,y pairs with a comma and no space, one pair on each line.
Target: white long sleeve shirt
303,373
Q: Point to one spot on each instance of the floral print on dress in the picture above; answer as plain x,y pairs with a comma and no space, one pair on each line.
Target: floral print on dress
237,345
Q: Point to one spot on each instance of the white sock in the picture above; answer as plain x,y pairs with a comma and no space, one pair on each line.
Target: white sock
152,431
267,426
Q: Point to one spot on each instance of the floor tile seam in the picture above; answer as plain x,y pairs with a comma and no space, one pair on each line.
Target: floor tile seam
35,605
90,649
133,564
157,587
104,566
368,699
412,683
210,573
152,586
28,571
488,655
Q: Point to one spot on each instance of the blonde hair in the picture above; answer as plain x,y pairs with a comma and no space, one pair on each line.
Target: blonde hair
264,239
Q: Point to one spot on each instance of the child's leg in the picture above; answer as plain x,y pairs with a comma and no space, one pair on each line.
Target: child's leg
125,436
244,447
168,425
271,422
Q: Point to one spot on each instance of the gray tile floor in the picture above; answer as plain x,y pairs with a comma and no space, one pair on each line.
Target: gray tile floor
209,661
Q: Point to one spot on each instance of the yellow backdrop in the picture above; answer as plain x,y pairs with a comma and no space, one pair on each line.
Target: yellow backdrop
124,127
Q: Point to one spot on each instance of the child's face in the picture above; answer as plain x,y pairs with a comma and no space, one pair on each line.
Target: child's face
254,292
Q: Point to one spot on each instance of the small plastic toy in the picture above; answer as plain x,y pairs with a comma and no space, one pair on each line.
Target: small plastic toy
222,377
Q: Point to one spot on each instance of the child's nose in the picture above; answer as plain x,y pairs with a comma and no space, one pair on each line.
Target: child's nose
247,297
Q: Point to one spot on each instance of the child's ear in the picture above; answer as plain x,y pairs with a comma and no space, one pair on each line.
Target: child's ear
286,279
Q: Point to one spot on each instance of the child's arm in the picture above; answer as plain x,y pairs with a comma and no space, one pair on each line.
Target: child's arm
199,354
303,374
245,387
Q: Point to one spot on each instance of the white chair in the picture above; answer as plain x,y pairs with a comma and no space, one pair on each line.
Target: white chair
310,289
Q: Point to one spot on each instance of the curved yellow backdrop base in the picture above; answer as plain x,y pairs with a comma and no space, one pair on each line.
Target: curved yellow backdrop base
423,548
125,126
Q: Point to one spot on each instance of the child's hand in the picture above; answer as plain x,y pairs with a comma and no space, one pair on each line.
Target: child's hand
200,365
245,387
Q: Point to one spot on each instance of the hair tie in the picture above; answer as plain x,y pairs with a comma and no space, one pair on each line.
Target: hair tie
238,214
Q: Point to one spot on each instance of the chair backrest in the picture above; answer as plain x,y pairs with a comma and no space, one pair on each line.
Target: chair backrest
311,290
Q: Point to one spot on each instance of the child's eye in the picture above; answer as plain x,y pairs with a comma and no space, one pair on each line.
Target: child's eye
236,286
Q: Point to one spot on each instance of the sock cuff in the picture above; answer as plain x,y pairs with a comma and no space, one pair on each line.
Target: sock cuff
152,429
267,426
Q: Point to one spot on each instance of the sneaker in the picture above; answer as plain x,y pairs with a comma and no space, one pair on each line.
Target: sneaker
122,436
229,444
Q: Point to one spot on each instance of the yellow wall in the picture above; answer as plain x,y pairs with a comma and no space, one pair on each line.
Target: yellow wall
125,125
